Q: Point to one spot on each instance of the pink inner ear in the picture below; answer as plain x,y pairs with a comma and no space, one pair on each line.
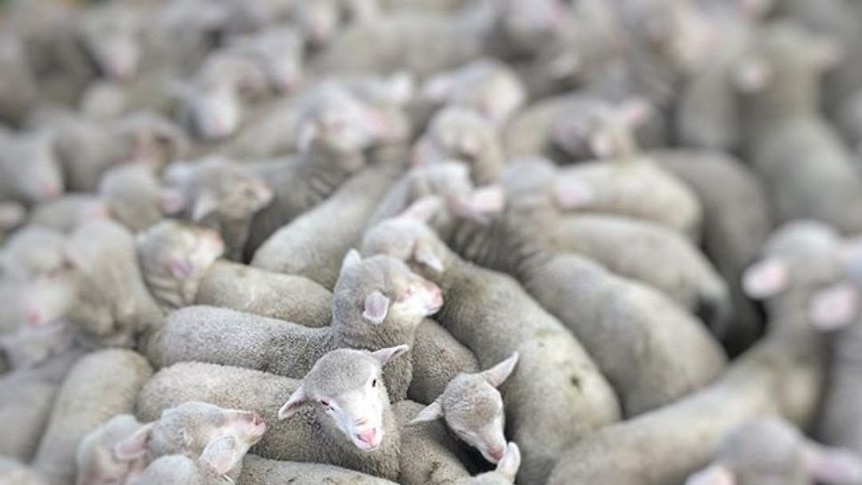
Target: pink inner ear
376,307
572,193
834,308
171,201
180,267
833,465
601,144
765,279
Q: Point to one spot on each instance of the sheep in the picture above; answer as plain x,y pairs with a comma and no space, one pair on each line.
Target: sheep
314,244
360,393
780,375
96,460
563,127
805,167
100,386
111,304
87,149
65,213
132,194
220,194
33,252
437,358
278,50
18,91
590,301
12,215
180,265
321,21
736,224
13,472
112,36
770,449
447,179
633,248
552,363
473,409
331,138
463,134
260,471
29,169
392,301
486,85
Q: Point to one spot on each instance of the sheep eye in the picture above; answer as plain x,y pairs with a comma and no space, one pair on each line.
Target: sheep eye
374,383
325,404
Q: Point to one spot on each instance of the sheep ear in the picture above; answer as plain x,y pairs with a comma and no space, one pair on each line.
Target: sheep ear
401,87
431,412
438,88
753,75
296,400
305,135
387,354
712,475
499,373
765,279
424,208
571,193
835,307
205,205
424,255
135,446
636,112
376,307
350,259
832,465
171,201
511,462
222,455
180,267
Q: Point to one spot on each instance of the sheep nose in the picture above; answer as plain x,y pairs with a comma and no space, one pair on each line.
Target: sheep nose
34,318
367,436
496,454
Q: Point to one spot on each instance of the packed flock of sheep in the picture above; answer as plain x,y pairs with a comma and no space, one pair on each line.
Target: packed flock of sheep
451,242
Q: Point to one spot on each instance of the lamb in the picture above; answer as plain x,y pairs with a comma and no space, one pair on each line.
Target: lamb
806,169
781,375
564,127
12,215
772,449
551,363
505,472
100,386
633,248
68,212
278,50
449,180
393,301
314,244
29,170
462,133
132,194
180,265
220,194
18,91
112,36
736,224
640,189
87,149
485,85
473,409
591,301
111,304
359,395
13,472
332,139
96,460
260,471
